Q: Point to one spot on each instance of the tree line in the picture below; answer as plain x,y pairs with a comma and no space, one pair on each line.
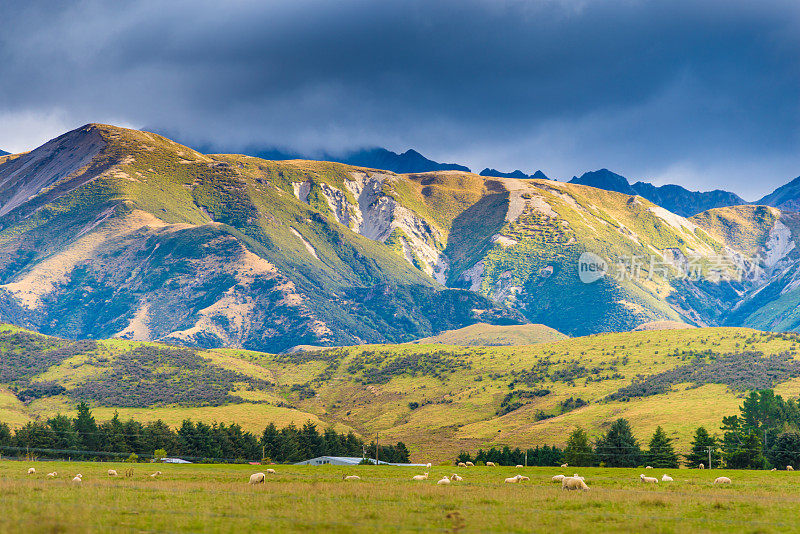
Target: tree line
765,434
83,438
616,448
538,456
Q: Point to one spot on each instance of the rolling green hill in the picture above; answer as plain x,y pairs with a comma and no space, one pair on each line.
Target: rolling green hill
488,335
437,398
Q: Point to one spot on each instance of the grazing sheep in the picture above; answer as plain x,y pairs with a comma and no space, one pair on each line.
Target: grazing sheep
31,470
722,480
257,478
469,464
270,471
490,464
462,464
519,466
789,468
701,466
351,477
52,475
558,478
456,478
666,478
443,481
773,469
156,474
563,466
570,483
428,465
112,473
512,480
523,477
420,477
649,467
78,479
648,480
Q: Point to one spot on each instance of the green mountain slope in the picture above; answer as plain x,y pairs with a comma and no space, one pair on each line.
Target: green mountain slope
108,232
112,232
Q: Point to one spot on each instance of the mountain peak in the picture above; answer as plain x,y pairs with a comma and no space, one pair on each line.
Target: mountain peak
785,197
605,179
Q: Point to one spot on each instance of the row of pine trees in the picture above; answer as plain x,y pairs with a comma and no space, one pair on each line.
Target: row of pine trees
764,434
82,437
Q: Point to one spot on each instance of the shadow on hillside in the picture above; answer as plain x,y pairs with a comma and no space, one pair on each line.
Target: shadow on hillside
472,229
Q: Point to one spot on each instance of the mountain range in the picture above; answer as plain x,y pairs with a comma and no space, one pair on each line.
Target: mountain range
515,174
675,198
4,153
110,232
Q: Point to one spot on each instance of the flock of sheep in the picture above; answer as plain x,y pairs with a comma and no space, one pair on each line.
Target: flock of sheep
574,482
78,479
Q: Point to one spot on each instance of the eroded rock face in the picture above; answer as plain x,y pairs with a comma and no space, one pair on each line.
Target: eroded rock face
379,217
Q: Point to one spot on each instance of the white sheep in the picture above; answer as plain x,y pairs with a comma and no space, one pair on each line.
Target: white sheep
512,480
428,465
443,481
31,470
52,475
564,466
454,477
789,468
112,473
558,478
666,478
722,480
701,466
257,478
462,464
523,478
649,467
469,464
420,477
156,474
648,480
519,466
576,475
78,479
773,469
270,471
490,464
570,483
351,477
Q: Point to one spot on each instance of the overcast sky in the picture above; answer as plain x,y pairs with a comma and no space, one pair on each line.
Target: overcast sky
701,93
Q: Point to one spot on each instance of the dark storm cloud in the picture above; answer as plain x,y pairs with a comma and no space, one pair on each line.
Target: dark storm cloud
700,92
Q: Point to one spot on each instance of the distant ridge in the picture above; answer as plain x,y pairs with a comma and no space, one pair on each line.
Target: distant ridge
516,174
409,161
4,153
674,198
786,197
486,335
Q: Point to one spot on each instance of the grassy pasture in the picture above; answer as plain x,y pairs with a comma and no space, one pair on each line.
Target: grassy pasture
213,498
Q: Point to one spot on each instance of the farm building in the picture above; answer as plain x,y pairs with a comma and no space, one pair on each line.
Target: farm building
343,460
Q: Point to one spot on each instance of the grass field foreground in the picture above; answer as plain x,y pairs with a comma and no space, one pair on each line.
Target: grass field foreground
194,498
